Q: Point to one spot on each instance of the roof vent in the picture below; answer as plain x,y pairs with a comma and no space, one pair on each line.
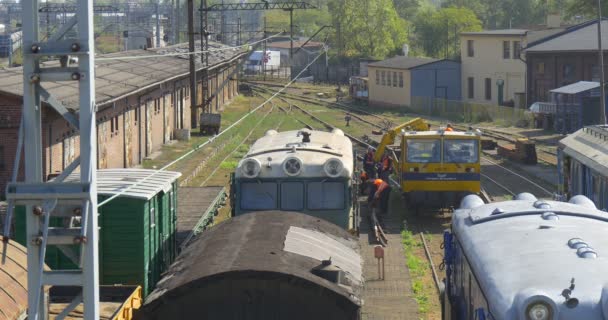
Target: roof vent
586,253
577,243
329,272
582,201
498,211
540,204
550,216
525,196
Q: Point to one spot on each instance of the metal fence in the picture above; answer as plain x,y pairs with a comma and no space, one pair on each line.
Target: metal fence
471,113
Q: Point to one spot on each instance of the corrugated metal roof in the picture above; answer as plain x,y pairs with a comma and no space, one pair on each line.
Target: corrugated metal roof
139,183
574,39
589,146
320,246
13,280
117,78
499,32
577,87
403,62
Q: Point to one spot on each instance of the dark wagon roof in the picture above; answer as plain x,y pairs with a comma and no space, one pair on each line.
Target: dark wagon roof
284,243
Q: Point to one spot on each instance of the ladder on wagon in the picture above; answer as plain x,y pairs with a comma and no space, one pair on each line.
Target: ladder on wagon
44,201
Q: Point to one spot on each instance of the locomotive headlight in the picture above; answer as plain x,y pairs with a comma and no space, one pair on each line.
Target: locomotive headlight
292,166
538,311
251,168
333,167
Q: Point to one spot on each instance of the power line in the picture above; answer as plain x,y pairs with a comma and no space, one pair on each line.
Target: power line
215,137
185,53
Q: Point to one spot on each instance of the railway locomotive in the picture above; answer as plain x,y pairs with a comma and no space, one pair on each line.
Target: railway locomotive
526,259
303,171
435,167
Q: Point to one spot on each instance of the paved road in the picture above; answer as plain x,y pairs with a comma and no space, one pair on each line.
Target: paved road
391,298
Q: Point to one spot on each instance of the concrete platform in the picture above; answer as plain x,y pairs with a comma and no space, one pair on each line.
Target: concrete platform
196,207
391,298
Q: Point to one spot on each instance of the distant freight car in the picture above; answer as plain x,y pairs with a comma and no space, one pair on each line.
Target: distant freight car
263,265
137,229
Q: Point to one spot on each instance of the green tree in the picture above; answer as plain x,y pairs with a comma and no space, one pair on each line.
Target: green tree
437,31
585,8
367,28
504,13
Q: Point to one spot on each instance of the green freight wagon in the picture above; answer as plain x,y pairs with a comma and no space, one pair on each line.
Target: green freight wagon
137,228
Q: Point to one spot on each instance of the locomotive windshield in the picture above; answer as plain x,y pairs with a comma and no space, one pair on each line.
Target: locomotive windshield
258,196
423,151
293,195
460,151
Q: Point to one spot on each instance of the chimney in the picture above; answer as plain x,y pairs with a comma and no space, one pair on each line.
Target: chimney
406,49
554,21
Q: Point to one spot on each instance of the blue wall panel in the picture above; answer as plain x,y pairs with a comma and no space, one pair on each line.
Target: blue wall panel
440,80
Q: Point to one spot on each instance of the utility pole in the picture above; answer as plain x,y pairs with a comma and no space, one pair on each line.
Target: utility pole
42,200
601,58
291,43
205,56
264,51
238,32
178,20
157,25
191,58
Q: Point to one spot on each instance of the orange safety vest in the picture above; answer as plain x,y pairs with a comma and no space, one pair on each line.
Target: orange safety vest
381,188
449,129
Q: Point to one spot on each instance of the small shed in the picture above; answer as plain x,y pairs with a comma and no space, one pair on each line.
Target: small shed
137,228
407,81
570,107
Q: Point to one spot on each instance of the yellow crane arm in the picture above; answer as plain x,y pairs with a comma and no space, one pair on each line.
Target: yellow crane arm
416,124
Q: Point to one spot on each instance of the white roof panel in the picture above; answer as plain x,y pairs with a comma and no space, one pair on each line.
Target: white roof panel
577,87
135,183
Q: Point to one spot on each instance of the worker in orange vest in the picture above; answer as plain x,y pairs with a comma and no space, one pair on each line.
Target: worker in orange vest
449,127
381,195
386,167
368,163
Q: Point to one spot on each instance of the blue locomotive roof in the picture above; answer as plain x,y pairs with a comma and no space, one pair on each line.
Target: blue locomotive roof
528,248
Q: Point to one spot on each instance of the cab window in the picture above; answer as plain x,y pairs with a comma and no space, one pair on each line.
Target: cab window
258,196
292,196
423,151
460,151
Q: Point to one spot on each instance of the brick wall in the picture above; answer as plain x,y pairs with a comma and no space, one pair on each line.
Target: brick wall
127,131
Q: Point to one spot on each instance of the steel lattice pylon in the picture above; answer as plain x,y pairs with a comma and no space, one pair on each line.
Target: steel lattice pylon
59,199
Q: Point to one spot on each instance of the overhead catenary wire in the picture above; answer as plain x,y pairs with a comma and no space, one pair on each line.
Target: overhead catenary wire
118,194
172,54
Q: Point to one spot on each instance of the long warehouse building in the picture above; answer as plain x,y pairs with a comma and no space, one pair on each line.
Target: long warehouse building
142,104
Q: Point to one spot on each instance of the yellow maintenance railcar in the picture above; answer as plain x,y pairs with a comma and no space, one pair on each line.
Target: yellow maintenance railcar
436,167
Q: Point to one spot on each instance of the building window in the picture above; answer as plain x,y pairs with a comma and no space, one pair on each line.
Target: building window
540,68
2,160
395,79
568,71
114,126
471,87
383,78
377,77
506,49
516,49
400,79
488,88
388,79
136,114
470,48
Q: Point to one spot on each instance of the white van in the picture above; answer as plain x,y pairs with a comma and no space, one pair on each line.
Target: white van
255,61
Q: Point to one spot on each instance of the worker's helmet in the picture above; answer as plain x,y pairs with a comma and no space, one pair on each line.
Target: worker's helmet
370,149
377,182
449,125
